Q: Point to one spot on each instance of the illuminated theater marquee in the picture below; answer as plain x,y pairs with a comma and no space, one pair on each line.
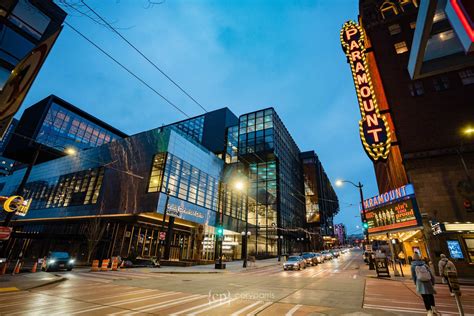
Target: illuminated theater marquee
373,127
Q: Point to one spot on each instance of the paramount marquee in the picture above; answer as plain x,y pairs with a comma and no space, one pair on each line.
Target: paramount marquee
373,127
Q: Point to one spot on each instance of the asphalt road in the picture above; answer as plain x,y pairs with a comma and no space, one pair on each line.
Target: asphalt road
335,287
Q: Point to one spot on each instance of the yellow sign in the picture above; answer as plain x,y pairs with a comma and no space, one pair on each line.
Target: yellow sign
17,204
373,127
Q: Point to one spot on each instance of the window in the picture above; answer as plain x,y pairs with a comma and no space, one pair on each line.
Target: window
470,248
14,44
401,47
29,18
413,25
157,173
416,89
441,84
467,76
394,29
79,188
439,16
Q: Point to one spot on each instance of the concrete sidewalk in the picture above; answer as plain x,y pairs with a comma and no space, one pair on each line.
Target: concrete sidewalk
27,281
233,266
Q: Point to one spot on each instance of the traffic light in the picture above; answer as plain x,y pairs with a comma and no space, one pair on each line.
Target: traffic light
220,231
365,225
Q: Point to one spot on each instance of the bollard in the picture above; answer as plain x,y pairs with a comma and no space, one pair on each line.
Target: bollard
105,265
95,266
16,270
3,270
33,270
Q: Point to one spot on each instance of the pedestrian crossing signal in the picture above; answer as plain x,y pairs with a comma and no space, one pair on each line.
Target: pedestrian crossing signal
365,225
220,231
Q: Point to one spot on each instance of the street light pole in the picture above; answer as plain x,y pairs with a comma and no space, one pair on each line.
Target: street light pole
364,218
163,225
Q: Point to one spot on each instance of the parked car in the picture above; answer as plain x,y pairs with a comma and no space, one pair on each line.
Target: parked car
327,255
294,263
57,260
310,258
319,257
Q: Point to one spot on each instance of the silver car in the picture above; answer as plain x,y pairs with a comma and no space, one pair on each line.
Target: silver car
294,263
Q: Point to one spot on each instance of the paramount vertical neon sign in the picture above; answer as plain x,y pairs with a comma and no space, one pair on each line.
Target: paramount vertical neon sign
373,127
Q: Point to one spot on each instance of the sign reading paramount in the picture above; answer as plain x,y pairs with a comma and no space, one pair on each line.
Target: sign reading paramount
373,127
392,210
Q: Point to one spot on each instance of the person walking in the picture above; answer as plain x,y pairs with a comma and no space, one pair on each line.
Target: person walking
445,265
424,281
401,257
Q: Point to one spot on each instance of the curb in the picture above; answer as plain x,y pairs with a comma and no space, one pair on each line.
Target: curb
61,279
189,272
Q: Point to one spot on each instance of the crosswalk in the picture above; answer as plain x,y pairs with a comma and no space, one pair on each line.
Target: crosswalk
110,276
111,299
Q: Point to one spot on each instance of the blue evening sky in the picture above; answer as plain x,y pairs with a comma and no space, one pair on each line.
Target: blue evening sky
245,54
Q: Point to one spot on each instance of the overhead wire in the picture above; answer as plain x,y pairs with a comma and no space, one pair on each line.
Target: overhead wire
127,69
144,56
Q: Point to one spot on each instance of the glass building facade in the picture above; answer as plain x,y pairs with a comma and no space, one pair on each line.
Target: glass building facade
186,168
53,125
64,128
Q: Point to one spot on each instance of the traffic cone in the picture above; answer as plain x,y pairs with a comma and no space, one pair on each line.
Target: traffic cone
33,270
95,266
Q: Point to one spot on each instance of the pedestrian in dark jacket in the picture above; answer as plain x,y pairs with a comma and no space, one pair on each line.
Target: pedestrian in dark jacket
424,281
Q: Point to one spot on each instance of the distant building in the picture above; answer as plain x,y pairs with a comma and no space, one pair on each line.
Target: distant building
321,200
51,126
340,233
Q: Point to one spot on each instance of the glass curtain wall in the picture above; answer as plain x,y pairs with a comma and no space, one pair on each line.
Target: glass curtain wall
62,127
79,188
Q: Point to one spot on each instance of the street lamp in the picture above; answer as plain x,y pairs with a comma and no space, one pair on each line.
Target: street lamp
359,186
240,186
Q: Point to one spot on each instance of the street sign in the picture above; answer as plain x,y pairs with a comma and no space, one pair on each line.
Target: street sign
162,235
5,232
381,267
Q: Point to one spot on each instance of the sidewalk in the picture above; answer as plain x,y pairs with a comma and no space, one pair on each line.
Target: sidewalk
398,294
27,281
233,266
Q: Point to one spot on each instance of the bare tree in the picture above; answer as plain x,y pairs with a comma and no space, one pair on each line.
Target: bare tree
94,231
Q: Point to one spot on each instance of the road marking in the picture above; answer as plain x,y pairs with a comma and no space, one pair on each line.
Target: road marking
80,311
318,273
8,289
194,307
122,294
261,308
246,308
293,310
399,309
161,305
213,306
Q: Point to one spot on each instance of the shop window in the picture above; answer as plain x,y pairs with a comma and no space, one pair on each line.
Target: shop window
470,248
416,88
441,83
401,47
467,76
394,29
